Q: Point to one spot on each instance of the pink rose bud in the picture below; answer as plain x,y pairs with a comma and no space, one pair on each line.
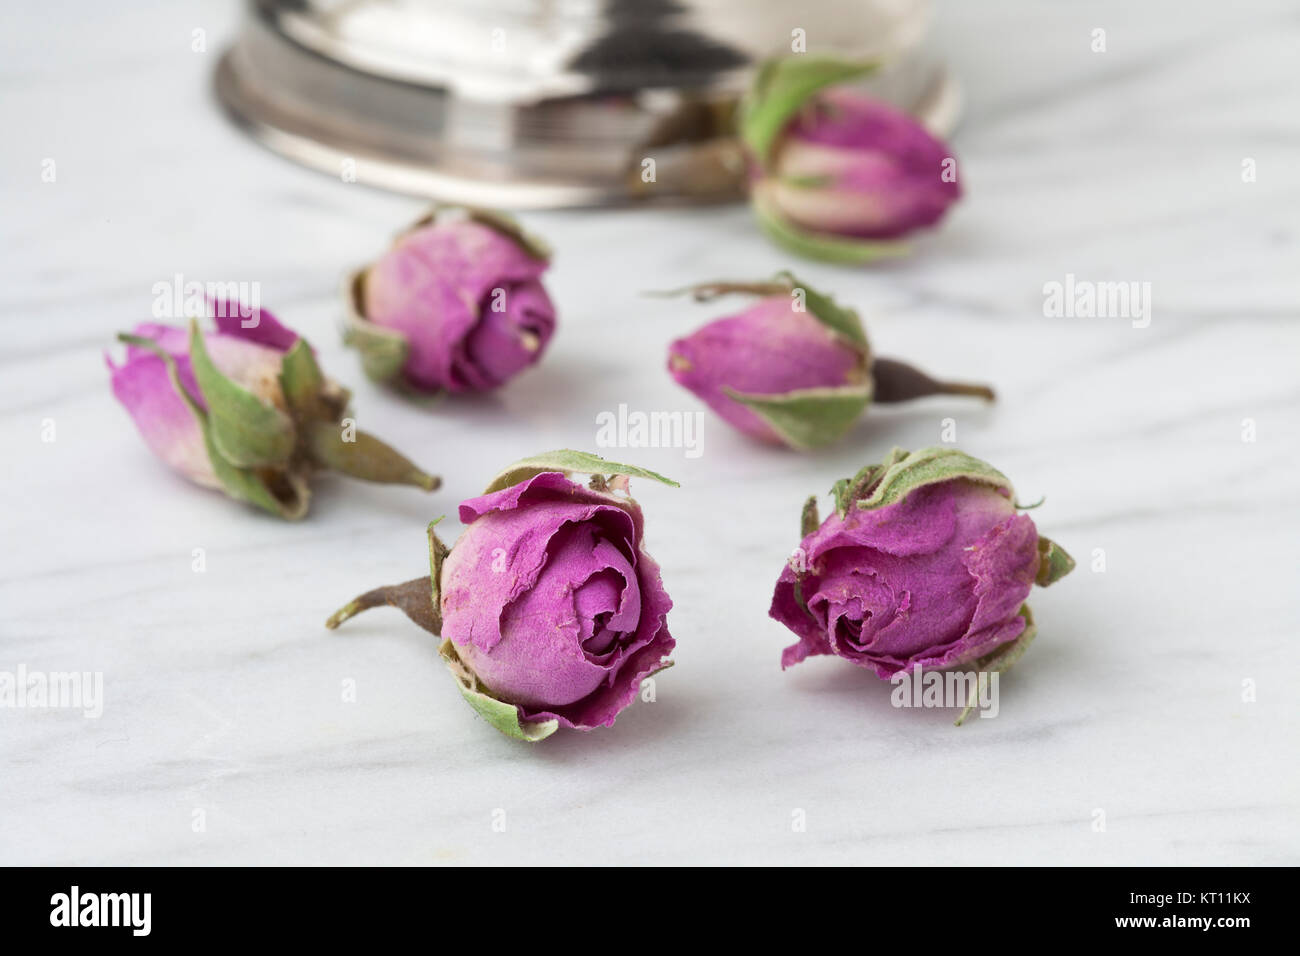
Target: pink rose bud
839,175
457,304
245,409
549,608
795,368
926,562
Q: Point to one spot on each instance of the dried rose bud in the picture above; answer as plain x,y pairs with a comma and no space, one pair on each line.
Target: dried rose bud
795,368
247,411
550,611
457,305
839,175
925,563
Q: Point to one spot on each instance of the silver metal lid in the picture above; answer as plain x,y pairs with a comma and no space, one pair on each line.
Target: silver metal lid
531,104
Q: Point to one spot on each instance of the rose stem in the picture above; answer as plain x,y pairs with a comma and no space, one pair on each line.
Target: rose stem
900,382
413,598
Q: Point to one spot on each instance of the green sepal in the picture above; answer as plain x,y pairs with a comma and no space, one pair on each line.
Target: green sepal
242,484
568,461
809,520
848,490
383,351
318,406
781,88
826,247
364,457
1054,562
998,661
928,466
302,381
811,417
247,485
842,322
246,431
824,181
840,491
501,715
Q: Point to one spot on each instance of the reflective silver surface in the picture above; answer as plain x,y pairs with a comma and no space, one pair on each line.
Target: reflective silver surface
528,103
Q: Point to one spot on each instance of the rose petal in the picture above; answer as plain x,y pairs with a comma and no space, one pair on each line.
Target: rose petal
504,549
144,387
602,707
504,343
229,316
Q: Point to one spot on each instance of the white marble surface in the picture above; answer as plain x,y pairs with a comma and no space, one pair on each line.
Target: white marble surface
223,690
